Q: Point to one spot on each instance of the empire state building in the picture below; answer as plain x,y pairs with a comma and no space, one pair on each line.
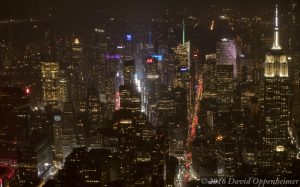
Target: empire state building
277,149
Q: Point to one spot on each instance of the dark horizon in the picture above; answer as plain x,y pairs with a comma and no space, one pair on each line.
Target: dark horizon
32,8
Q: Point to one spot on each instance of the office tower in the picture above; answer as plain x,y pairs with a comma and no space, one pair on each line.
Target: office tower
168,72
277,149
145,50
204,148
87,168
151,88
139,154
183,70
63,87
224,85
50,83
226,156
246,70
226,54
209,78
252,136
99,69
95,113
129,72
224,143
68,141
226,71
179,95
124,123
183,80
76,77
165,106
177,125
130,99
57,138
112,82
247,93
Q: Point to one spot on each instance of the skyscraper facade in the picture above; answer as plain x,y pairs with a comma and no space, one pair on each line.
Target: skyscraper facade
50,83
277,148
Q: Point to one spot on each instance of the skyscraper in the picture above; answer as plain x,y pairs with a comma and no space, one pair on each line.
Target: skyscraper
151,88
224,84
76,77
50,83
183,70
226,70
277,148
226,53
130,99
68,139
129,71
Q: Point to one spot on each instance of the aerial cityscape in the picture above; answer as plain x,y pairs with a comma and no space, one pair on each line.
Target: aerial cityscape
149,93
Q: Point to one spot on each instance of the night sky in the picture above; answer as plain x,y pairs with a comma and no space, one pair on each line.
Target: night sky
25,8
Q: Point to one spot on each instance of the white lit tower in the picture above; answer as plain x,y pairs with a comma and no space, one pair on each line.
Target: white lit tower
277,149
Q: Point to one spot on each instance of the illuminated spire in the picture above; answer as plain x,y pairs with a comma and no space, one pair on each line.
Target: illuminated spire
276,45
76,41
183,32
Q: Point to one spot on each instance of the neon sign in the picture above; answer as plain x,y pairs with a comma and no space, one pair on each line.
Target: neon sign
114,56
128,37
158,57
183,69
149,61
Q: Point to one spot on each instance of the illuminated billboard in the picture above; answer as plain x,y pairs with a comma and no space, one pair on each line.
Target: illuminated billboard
113,56
120,47
157,57
183,69
152,76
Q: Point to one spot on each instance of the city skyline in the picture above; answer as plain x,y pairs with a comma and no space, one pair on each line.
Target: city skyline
149,94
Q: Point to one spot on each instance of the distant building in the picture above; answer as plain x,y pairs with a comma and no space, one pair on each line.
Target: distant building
68,139
50,83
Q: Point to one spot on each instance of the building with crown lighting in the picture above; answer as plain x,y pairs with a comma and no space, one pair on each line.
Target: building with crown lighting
277,148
